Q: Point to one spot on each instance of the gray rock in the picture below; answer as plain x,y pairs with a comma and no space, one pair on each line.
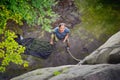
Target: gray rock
74,72
109,52
115,55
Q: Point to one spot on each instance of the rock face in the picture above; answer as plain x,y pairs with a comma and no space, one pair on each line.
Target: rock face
40,55
80,39
49,56
74,72
37,48
68,13
109,52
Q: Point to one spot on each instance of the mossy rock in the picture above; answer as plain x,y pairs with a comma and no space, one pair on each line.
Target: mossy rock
37,47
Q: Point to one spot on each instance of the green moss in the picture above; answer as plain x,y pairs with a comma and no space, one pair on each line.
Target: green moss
99,17
56,73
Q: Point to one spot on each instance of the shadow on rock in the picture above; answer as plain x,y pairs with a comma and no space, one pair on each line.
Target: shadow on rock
37,48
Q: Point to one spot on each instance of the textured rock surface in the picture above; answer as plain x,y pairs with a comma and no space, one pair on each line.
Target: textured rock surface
57,58
37,48
74,72
109,52
80,40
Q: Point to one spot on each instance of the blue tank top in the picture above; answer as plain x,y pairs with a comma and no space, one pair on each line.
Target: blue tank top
62,35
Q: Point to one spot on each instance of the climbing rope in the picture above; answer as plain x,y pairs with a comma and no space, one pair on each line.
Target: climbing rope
73,56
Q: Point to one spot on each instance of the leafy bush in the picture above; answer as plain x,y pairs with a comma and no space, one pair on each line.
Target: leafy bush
34,12
10,51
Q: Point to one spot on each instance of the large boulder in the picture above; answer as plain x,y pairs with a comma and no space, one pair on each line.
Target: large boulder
40,54
109,52
37,48
74,72
47,54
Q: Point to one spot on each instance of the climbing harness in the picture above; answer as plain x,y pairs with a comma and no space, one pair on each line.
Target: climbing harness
72,55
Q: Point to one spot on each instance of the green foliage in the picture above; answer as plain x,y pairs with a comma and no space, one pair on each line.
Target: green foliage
34,12
99,16
57,73
10,51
